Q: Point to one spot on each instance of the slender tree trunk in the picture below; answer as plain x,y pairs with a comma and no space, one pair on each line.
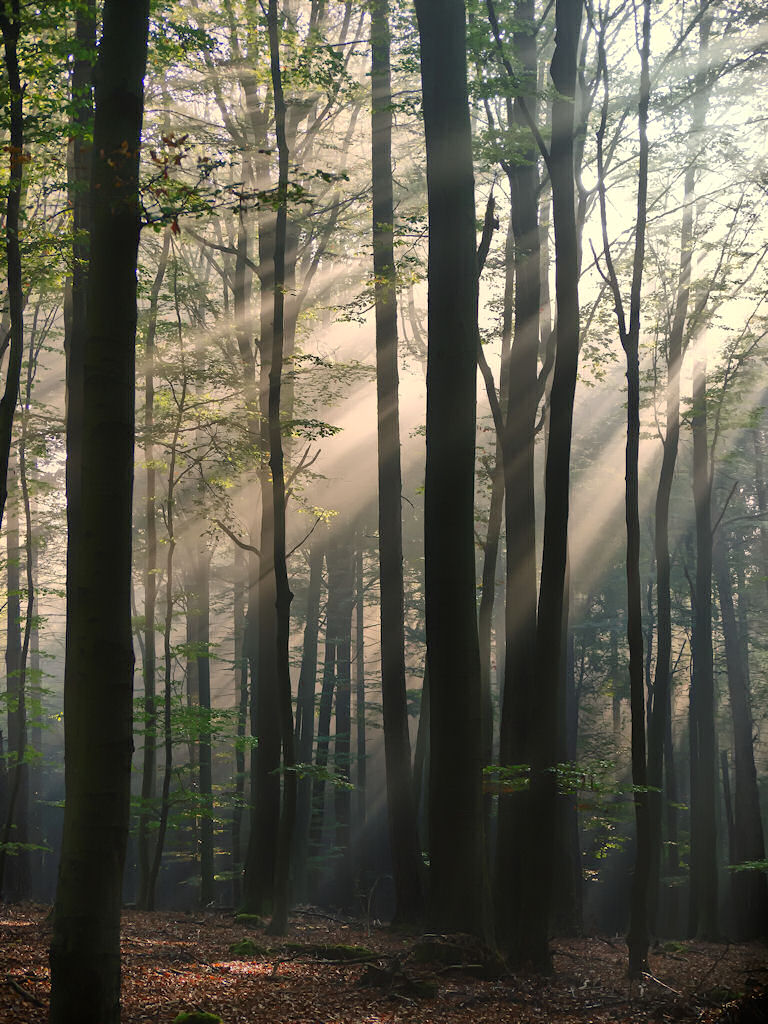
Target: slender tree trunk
241,690
672,864
533,920
360,723
567,895
30,644
149,756
325,709
198,617
10,25
704,896
283,595
704,888
261,860
516,844
305,714
403,837
421,757
459,897
170,520
16,821
638,939
98,685
749,889
762,495
676,345
341,565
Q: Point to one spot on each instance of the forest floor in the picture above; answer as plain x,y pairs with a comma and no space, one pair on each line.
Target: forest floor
331,971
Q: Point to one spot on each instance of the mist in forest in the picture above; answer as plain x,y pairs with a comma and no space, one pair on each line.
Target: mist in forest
261,160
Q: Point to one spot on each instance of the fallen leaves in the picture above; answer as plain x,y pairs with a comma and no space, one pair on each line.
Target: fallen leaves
174,963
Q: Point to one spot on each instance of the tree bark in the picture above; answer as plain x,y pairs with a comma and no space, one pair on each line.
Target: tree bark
516,845
638,938
241,689
361,785
16,820
10,24
704,884
149,757
198,618
98,685
305,714
533,920
403,836
459,898
749,888
283,594
341,566
676,346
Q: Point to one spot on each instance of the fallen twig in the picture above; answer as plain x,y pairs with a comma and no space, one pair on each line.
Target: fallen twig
652,977
23,992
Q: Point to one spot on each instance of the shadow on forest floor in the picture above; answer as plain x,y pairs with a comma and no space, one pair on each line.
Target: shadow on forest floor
329,971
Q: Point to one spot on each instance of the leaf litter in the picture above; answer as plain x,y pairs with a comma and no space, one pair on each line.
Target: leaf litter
332,970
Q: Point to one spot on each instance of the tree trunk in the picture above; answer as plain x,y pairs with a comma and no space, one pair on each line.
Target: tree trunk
533,921
316,827
459,896
283,595
516,847
10,24
261,859
170,520
198,618
403,837
305,715
749,889
149,757
704,897
98,685
676,346
638,938
360,723
16,820
341,567
241,689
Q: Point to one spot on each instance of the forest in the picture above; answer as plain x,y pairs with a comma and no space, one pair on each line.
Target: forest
384,498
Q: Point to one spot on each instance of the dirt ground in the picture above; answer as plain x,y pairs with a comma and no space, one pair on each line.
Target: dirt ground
175,962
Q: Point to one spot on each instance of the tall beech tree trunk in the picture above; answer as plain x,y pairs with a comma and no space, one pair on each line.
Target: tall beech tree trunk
10,26
638,938
283,595
519,706
532,935
458,898
676,346
704,882
749,889
403,837
261,860
98,684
